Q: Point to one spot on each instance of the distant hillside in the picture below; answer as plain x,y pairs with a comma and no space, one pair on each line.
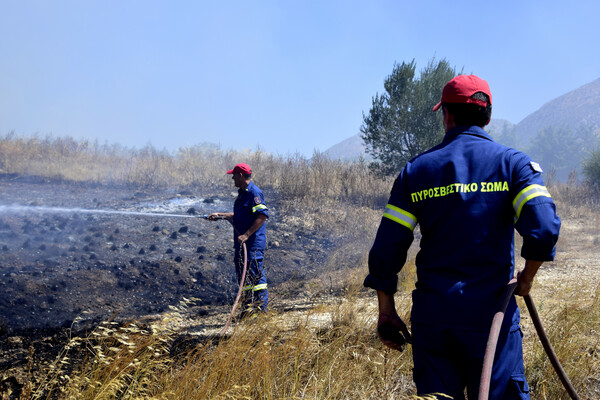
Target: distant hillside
578,108
350,149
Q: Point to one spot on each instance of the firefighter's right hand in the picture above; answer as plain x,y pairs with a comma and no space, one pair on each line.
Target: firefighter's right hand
393,332
214,217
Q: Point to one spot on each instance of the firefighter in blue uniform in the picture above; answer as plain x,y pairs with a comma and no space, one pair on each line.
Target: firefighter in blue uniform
467,194
249,215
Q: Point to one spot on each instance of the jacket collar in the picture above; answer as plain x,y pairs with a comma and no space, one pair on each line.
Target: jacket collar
467,130
242,191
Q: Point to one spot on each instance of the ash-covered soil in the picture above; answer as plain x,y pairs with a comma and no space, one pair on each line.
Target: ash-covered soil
62,257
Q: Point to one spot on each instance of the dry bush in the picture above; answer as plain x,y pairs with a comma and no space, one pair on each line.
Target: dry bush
63,159
319,181
574,199
316,193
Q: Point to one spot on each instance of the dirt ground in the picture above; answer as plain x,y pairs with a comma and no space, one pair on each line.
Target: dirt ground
577,261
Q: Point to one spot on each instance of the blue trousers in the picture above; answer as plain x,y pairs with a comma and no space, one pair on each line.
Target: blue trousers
449,360
255,295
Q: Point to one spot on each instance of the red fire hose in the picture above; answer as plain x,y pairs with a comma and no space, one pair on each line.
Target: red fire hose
239,293
240,289
242,280
490,349
488,360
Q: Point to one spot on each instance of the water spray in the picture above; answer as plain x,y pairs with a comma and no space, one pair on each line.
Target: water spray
43,209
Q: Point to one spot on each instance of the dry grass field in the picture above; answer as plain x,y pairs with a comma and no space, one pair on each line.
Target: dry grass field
321,348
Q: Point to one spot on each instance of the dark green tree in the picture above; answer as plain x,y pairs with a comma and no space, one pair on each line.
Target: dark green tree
400,124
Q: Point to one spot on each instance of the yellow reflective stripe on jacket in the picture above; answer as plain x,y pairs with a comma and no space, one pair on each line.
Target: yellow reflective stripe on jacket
527,194
400,216
261,286
259,207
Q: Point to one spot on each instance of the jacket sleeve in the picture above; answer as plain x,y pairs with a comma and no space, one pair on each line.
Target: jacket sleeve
258,204
394,237
535,212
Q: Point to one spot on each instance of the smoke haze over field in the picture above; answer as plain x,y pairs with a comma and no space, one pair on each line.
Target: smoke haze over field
284,77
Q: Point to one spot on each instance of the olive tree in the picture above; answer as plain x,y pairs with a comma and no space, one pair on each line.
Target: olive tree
400,123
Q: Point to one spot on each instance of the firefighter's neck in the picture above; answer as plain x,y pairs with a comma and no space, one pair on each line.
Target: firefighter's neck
244,184
449,123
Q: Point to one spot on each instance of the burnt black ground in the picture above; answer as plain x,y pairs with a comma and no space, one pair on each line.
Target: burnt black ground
55,267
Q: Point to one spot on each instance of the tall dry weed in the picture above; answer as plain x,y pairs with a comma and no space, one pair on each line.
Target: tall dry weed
328,352
572,330
316,193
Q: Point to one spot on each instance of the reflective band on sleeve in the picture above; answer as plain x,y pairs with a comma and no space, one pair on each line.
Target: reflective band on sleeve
527,194
400,216
259,207
262,286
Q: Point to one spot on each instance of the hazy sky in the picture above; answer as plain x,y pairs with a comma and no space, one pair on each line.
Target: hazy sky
286,76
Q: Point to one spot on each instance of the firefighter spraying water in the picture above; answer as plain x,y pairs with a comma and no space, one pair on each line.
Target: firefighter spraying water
191,213
248,218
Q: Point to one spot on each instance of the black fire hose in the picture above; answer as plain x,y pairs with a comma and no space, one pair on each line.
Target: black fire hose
488,360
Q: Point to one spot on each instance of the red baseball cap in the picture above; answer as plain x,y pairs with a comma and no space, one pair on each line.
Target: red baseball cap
240,168
461,88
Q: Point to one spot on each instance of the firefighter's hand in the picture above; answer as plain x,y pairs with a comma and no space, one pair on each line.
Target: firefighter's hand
523,285
525,277
242,238
392,331
214,217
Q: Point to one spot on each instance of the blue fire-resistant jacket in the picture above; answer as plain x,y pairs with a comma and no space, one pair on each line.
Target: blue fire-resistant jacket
467,194
249,203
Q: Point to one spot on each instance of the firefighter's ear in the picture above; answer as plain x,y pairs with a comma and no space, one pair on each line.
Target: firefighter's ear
448,120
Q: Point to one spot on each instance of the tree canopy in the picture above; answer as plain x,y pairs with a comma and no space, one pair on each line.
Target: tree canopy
400,123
